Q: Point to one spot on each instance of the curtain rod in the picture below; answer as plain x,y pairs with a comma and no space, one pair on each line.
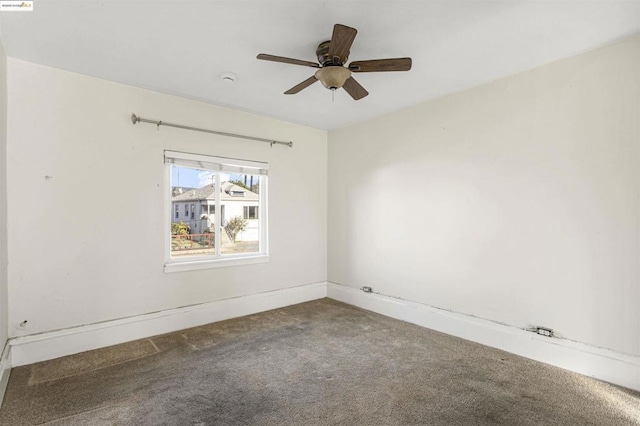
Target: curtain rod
135,119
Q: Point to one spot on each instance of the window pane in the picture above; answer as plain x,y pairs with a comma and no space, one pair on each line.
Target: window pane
216,210
239,199
193,233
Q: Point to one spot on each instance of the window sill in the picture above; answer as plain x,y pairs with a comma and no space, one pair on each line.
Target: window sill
195,265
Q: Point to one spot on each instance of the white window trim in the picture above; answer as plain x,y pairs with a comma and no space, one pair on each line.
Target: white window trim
193,263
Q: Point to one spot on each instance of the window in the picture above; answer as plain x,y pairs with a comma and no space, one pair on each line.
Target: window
177,212
228,229
250,212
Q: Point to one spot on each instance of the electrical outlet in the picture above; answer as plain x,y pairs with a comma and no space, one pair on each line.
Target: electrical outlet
543,331
367,289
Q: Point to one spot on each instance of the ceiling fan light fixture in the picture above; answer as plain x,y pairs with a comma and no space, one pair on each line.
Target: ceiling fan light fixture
333,72
333,77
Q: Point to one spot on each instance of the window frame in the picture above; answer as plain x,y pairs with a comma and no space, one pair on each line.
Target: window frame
216,165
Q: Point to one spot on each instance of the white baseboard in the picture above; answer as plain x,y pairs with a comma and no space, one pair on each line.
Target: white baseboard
603,364
41,347
5,369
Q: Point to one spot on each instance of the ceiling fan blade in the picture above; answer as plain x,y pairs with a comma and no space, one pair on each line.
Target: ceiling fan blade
354,89
381,65
341,42
298,87
284,60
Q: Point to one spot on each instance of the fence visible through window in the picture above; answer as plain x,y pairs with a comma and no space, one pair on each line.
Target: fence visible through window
192,244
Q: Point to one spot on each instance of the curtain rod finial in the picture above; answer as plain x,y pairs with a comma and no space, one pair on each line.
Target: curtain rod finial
135,119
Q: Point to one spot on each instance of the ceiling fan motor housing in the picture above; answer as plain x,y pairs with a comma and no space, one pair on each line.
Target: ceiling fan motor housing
322,53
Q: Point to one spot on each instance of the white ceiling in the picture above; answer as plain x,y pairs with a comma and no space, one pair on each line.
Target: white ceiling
183,47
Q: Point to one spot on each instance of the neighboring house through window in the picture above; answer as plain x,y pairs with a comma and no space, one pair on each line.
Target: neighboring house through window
221,198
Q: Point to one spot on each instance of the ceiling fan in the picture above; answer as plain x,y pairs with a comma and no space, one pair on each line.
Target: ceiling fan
332,55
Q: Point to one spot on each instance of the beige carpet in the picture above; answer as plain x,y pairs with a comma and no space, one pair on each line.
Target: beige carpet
318,363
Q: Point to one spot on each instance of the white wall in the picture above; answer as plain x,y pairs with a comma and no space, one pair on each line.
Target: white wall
97,251
3,199
517,201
